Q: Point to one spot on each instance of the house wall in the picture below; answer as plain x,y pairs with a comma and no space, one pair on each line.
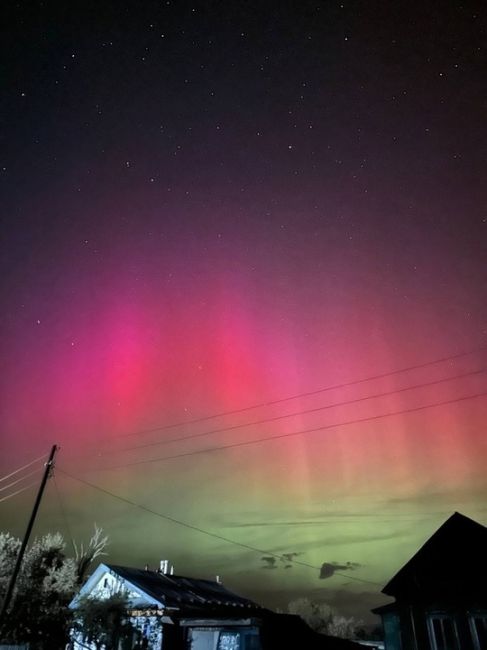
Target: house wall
223,638
151,631
460,620
110,584
150,627
413,628
391,624
405,629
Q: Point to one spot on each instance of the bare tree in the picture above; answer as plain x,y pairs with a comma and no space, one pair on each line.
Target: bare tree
85,556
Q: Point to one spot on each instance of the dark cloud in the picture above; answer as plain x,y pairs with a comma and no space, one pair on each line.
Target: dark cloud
389,529
250,519
272,524
288,557
328,569
364,538
269,562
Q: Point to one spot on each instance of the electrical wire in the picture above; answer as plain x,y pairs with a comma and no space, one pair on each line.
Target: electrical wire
303,412
305,394
9,496
264,439
334,425
22,478
16,471
202,530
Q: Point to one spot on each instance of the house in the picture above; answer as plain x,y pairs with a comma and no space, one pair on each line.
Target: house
440,595
172,612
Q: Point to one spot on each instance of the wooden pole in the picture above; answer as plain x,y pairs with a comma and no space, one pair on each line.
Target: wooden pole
25,541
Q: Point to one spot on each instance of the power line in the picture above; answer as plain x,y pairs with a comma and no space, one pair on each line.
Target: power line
9,496
305,394
16,471
201,530
295,433
22,478
303,412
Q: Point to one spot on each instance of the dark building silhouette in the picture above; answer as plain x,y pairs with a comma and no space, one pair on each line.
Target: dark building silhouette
440,594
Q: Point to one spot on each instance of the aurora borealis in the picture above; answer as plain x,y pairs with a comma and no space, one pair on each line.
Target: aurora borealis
209,207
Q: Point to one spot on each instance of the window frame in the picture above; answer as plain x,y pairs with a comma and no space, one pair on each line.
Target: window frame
472,615
442,617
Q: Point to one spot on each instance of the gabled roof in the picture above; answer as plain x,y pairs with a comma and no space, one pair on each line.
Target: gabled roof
186,595
178,591
452,559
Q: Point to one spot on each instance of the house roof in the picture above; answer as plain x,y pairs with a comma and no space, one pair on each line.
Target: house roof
173,591
452,559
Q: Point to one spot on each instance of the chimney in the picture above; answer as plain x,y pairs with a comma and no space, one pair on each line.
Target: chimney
163,566
166,568
218,579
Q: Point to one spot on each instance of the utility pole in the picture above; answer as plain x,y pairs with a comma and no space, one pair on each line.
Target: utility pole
18,563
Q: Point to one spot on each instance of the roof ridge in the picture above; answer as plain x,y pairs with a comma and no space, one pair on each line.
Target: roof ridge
455,522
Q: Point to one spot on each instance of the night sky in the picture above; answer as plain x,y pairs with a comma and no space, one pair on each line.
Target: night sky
217,214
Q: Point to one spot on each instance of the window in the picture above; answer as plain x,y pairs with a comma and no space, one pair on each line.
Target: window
443,632
478,629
